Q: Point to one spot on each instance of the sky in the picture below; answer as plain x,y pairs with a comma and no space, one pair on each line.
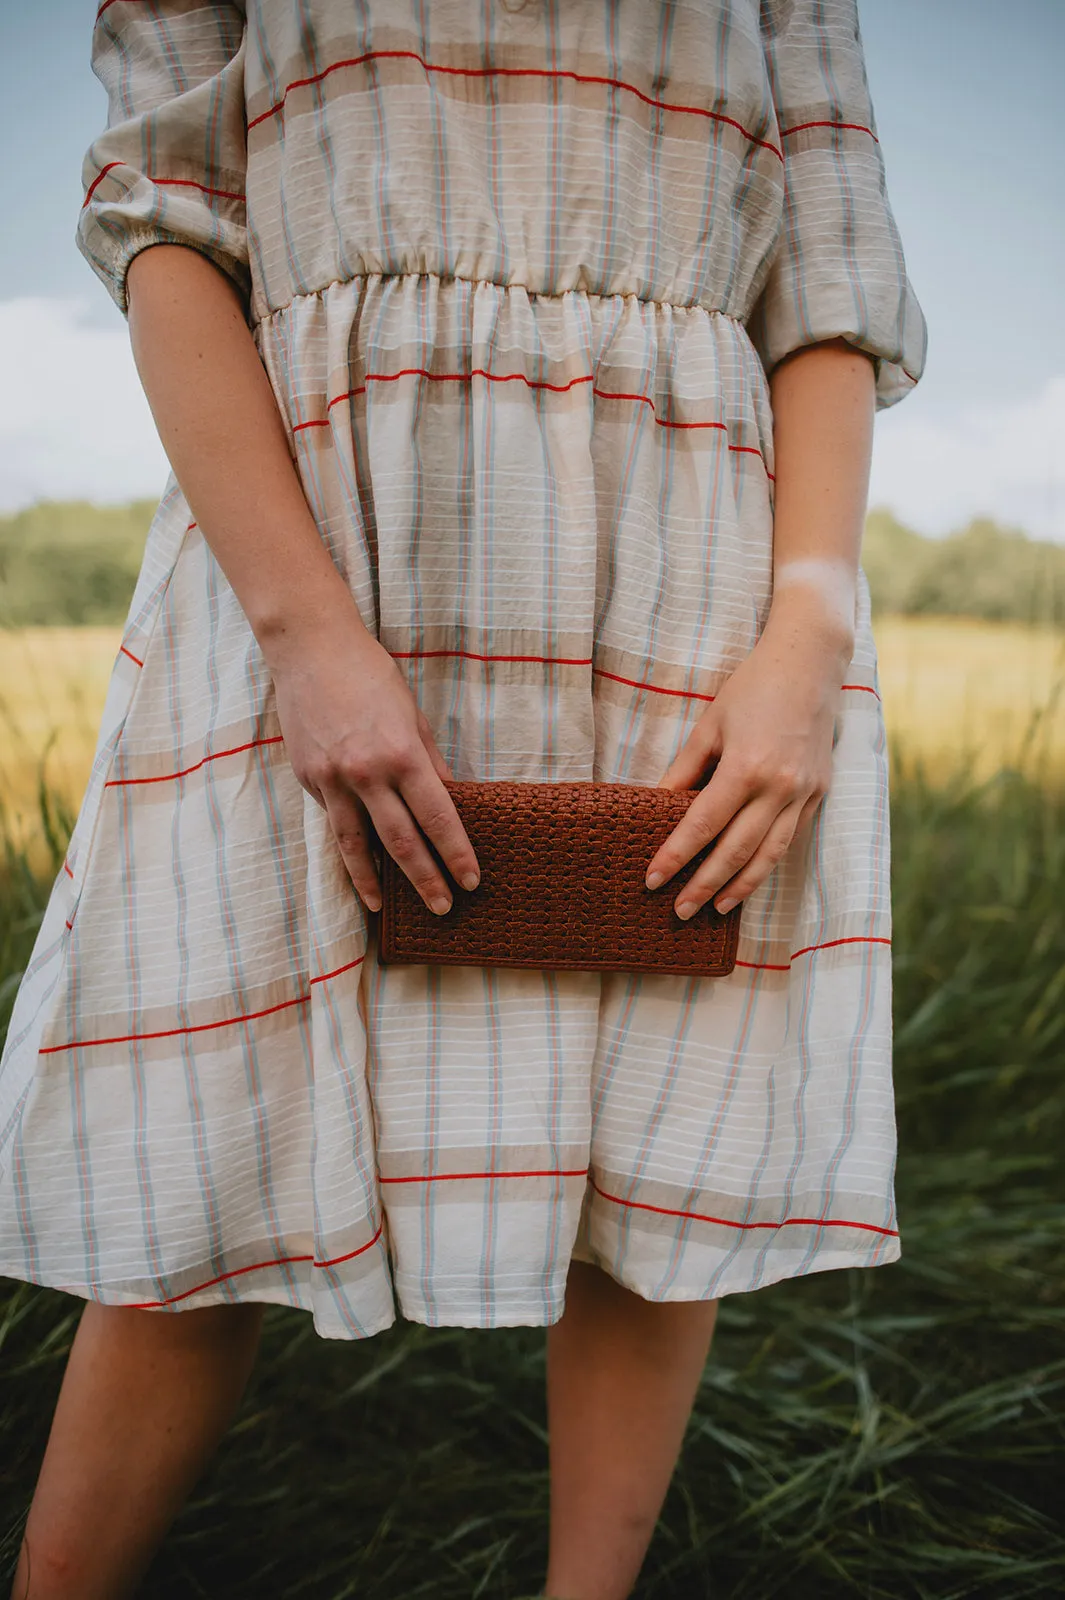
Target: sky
966,96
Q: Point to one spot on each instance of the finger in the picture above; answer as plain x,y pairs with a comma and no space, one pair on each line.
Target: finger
400,834
434,811
425,732
706,817
805,826
315,793
686,769
808,813
733,851
769,854
350,825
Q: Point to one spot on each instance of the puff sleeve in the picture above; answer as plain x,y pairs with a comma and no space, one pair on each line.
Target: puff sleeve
838,268
169,167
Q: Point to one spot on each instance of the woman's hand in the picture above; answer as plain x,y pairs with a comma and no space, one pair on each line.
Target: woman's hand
361,747
771,731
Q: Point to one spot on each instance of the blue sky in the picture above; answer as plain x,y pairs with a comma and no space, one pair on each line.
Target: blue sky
966,95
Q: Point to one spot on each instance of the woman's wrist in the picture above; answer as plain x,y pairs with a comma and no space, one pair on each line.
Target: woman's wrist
316,613
811,630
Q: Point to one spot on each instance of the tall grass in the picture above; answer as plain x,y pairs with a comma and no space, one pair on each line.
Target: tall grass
886,1434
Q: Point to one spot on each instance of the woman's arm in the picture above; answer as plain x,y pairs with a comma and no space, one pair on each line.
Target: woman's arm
353,732
771,728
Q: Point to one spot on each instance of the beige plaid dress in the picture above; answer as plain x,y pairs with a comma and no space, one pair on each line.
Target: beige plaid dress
518,273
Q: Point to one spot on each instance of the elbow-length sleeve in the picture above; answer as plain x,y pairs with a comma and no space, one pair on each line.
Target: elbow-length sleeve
838,270
169,167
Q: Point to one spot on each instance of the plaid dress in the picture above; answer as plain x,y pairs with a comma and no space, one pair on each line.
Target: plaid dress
517,272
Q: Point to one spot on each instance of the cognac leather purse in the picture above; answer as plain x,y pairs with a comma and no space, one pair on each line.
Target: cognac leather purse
562,885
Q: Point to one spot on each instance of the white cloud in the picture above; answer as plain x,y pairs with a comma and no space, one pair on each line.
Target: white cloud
74,423
1004,460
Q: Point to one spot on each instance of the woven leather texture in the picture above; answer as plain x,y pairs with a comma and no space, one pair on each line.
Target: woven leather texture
562,885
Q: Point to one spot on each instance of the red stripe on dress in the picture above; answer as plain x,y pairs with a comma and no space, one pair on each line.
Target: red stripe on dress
190,183
830,944
726,1222
324,977
491,1177
181,183
200,1027
136,659
856,127
531,383
99,178
439,377
168,777
665,422
513,72
473,655
548,661
258,1266
633,683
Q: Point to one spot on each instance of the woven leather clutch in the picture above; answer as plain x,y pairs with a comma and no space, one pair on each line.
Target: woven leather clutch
562,885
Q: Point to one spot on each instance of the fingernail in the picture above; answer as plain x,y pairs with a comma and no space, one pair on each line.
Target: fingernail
725,905
654,879
440,905
372,902
687,909
471,880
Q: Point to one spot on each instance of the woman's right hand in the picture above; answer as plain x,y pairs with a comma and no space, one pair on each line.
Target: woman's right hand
362,748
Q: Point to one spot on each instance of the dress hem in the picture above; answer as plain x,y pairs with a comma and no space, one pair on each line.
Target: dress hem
517,1317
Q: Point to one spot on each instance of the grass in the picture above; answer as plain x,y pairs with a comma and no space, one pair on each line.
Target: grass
887,1434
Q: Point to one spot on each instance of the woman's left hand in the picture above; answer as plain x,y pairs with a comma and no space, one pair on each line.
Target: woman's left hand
771,731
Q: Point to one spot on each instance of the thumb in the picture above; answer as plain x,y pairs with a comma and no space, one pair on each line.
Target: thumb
702,746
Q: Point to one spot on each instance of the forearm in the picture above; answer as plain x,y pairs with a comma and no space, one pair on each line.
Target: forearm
221,429
823,402
354,734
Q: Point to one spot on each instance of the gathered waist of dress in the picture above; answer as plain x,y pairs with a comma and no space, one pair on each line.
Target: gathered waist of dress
380,327
580,288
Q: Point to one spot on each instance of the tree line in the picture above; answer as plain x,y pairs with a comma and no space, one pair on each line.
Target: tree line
72,563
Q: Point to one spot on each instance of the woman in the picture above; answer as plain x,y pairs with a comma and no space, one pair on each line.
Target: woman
517,365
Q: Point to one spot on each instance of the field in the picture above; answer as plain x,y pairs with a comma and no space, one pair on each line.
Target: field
889,1434
52,687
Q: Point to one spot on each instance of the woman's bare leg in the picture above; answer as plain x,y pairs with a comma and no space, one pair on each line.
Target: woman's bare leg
621,1379
145,1399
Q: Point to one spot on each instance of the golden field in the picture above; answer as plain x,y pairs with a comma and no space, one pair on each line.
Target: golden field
52,687
956,692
